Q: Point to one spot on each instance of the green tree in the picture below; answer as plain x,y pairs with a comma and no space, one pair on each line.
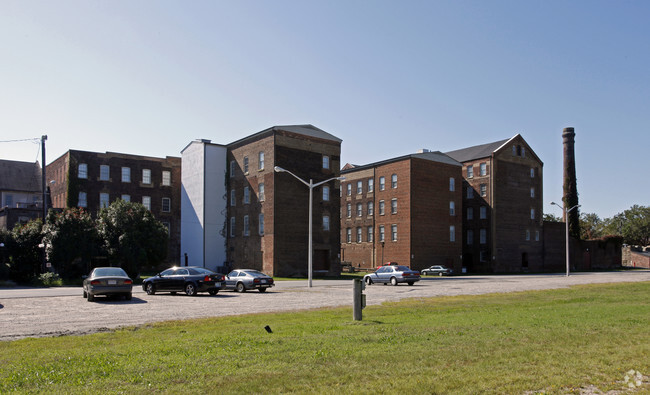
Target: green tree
552,218
26,258
591,226
131,236
5,242
636,225
70,239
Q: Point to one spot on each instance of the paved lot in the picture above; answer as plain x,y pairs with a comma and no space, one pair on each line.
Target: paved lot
29,312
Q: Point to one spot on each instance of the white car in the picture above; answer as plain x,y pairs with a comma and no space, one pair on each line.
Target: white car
436,270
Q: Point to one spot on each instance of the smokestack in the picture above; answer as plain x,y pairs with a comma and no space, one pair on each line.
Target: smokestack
570,182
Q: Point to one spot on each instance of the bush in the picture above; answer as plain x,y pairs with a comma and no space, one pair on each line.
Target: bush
48,279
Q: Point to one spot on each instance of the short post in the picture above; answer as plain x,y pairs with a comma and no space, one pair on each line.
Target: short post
358,299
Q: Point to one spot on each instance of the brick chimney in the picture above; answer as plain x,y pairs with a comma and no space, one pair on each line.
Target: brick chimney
570,182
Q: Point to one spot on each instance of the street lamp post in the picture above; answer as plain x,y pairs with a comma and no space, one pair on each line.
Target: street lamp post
311,187
566,222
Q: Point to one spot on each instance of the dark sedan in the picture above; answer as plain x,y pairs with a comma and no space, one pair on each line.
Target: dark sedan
242,280
107,281
188,279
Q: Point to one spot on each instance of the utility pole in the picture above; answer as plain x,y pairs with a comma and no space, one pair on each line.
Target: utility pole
43,177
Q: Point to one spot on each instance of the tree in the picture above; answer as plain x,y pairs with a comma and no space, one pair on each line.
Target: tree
552,218
591,226
131,236
26,256
636,225
70,238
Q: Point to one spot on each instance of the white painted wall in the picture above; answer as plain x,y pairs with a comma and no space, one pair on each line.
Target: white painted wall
203,204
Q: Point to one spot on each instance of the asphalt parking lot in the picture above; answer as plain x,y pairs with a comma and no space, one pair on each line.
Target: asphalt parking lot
38,312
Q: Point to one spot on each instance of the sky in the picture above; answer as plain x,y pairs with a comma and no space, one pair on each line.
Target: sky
387,77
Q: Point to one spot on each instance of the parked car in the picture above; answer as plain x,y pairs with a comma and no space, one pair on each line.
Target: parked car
242,280
436,270
393,274
188,279
107,281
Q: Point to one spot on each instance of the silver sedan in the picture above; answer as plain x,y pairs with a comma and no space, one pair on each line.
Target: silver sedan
242,280
393,274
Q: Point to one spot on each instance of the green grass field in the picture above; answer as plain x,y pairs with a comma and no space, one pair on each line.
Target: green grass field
553,341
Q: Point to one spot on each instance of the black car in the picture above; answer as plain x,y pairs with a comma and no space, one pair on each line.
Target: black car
188,279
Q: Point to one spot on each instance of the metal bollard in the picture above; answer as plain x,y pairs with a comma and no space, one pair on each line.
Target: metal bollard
358,299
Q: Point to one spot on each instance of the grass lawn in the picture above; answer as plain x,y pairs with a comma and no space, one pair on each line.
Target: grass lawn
553,341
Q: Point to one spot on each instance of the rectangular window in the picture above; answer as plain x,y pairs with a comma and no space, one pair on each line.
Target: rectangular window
326,222
527,235
83,170
349,189
452,208
83,201
166,178
326,162
470,192
452,233
126,198
532,192
166,205
371,208
483,236
260,161
382,183
104,172
483,212
247,195
326,193
359,187
103,200
381,233
537,235
260,224
523,152
483,190
393,232
381,207
146,176
452,184
232,168
470,213
359,233
232,197
393,181
393,206
514,150
126,174
245,164
260,192
483,169
246,226
348,208
470,237
370,234
371,184
348,235
146,202
470,171
359,209
232,226
532,172
532,213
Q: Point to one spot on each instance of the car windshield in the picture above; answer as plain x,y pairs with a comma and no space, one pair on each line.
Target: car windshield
402,268
109,271
255,273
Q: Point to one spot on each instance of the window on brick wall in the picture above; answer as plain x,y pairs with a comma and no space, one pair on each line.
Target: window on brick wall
232,226
260,160
483,169
452,233
82,171
483,236
370,234
470,213
146,202
527,235
470,192
82,199
104,172
348,235
371,208
382,233
483,190
470,237
532,213
393,181
371,184
326,162
126,174
260,224
348,210
359,234
326,222
382,183
359,187
348,190
166,205
166,178
359,209
483,212
233,201
126,198
245,164
246,226
452,209
470,171
232,168
381,207
103,200
452,184
532,192
260,192
247,195
146,176
326,193
393,232
393,206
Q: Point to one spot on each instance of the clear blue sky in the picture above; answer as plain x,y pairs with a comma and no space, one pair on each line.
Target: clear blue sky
388,77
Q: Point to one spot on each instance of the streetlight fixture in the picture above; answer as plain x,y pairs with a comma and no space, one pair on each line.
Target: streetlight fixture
566,222
311,187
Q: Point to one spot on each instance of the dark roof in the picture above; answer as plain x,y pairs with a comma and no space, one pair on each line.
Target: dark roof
434,156
20,176
306,130
477,151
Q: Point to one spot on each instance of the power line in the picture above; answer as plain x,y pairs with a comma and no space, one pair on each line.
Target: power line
18,141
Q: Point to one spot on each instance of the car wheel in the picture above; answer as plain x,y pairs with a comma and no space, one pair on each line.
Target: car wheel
393,281
262,290
190,289
150,289
85,294
240,287
410,283
128,297
213,292
368,281
91,297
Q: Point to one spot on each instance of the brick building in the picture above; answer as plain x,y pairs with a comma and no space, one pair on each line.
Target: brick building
406,209
502,207
21,197
93,180
266,213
